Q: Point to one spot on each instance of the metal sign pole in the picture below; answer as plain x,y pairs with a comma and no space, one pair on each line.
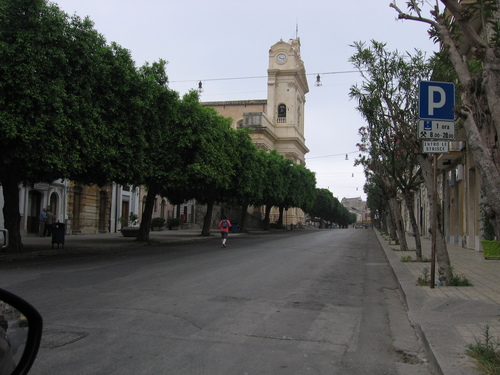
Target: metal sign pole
437,123
434,224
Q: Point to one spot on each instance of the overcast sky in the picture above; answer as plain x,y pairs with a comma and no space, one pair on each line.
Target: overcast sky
218,39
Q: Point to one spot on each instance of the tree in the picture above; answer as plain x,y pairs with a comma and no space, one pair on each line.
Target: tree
376,201
388,99
475,24
247,185
328,208
63,92
157,156
275,183
300,188
324,206
205,152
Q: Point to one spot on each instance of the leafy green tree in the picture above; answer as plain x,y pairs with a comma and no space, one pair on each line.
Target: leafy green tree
302,188
247,185
67,103
275,183
159,111
205,153
300,185
324,206
328,208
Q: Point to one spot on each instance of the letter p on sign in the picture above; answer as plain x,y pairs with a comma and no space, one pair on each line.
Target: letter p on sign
437,100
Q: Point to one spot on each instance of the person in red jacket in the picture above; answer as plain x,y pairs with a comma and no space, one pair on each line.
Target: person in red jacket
224,226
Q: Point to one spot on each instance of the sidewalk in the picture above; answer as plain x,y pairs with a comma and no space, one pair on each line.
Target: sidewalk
449,318
446,318
35,246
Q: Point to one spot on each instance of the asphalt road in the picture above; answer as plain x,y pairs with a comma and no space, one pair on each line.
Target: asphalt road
301,302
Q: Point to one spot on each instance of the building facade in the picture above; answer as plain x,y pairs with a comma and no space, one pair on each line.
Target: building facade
277,123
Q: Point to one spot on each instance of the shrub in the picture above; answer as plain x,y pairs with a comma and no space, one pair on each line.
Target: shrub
158,222
486,353
175,222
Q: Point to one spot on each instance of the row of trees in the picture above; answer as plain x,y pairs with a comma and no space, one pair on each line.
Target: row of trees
388,99
74,107
328,209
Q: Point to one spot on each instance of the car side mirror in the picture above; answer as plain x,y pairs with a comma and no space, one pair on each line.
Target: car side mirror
20,334
5,233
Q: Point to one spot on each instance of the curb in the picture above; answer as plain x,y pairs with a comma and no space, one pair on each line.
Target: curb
401,275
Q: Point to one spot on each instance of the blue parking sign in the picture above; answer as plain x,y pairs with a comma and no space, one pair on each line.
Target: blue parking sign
436,100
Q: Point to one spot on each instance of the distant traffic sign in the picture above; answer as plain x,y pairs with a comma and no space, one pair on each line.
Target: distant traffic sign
435,147
437,100
436,130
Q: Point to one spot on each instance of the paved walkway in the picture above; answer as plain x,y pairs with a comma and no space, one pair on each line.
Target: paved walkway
447,318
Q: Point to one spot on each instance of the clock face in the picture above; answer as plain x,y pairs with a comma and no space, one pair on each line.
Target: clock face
281,58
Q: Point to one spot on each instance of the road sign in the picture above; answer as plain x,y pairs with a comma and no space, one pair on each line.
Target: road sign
435,147
436,130
437,100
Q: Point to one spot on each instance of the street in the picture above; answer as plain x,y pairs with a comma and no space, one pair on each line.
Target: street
296,302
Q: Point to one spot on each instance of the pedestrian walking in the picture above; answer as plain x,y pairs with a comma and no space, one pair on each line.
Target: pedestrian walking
224,226
48,223
41,222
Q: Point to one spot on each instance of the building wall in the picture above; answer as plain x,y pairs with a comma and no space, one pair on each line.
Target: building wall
88,209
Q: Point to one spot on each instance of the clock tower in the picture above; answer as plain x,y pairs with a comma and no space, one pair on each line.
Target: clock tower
286,90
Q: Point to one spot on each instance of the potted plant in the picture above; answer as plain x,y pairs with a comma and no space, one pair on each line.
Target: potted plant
128,225
157,223
491,247
174,223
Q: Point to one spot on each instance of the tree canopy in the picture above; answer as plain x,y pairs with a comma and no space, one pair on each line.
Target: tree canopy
68,103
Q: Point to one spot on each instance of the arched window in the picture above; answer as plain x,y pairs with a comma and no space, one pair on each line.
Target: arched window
282,110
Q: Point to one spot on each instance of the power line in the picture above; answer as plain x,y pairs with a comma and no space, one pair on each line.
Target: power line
329,156
253,77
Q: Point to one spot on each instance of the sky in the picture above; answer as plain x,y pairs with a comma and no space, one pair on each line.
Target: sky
225,44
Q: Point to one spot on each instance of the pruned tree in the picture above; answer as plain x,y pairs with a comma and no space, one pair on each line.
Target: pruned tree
470,32
388,99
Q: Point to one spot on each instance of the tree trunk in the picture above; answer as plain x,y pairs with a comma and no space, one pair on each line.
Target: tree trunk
243,219
416,231
280,217
483,145
147,215
442,257
266,221
480,107
396,210
12,217
207,220
391,226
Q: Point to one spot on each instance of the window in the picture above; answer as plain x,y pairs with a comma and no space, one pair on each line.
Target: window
282,110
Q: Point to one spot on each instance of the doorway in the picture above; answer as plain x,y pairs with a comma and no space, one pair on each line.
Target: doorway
125,213
35,203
